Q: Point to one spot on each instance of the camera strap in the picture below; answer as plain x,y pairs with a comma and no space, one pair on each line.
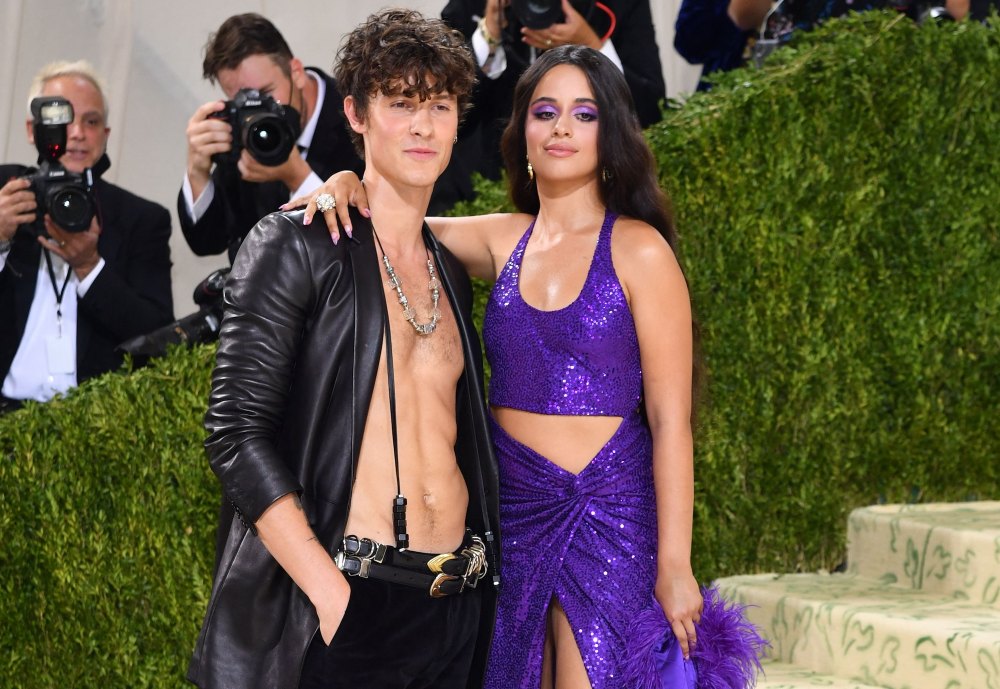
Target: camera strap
59,292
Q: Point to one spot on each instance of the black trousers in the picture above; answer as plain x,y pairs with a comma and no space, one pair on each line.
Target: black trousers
397,637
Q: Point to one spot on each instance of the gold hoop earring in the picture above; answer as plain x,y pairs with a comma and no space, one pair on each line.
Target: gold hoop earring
531,172
605,175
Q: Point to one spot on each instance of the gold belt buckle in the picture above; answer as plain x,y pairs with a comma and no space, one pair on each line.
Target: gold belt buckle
436,563
435,591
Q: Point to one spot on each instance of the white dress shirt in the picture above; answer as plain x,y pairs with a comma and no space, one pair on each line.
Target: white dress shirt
45,362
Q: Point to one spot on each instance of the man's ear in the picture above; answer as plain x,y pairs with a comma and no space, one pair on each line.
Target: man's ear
297,73
29,125
350,110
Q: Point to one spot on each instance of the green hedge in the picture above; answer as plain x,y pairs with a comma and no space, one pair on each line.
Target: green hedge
107,519
840,223
840,214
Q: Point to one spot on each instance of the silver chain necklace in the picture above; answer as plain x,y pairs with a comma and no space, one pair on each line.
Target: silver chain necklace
434,285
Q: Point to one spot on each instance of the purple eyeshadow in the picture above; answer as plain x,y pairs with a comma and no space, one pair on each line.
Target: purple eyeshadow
543,108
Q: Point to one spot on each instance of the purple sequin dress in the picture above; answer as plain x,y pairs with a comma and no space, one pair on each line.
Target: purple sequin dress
587,539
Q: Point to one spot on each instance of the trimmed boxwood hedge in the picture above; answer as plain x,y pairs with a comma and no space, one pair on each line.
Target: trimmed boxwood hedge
107,515
840,227
840,220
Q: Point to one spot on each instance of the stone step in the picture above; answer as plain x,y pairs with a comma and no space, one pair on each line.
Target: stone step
784,676
864,630
947,548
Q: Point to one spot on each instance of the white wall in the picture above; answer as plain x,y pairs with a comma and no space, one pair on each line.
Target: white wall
150,51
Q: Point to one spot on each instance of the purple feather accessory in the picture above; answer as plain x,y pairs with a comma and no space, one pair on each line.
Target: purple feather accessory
726,656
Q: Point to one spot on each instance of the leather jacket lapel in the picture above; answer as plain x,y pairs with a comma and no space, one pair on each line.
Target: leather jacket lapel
368,322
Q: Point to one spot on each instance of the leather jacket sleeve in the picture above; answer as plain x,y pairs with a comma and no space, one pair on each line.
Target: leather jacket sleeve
268,297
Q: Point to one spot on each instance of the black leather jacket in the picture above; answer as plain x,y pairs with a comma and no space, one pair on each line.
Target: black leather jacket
298,352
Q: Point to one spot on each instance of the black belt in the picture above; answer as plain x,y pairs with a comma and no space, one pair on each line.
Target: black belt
441,575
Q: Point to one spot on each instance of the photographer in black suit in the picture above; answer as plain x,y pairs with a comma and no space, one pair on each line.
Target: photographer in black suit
218,207
67,298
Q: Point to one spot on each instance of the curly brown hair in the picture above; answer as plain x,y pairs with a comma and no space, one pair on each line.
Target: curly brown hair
401,51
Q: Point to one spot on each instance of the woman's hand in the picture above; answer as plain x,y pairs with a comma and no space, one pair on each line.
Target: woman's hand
346,190
682,602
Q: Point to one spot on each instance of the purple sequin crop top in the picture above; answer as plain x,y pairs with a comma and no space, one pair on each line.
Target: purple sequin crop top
579,360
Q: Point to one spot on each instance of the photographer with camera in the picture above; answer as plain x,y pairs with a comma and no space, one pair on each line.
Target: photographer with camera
507,35
84,264
280,132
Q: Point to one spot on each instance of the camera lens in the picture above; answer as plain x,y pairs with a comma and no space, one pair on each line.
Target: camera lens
70,208
268,138
538,14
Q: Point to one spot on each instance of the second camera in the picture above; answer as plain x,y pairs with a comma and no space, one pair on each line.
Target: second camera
267,129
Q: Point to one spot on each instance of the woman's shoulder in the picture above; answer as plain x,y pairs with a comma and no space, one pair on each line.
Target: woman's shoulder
645,263
640,243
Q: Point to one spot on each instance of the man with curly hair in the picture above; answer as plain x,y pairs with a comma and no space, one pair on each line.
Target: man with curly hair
347,420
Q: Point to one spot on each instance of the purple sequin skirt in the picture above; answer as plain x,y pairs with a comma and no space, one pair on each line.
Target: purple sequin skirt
589,540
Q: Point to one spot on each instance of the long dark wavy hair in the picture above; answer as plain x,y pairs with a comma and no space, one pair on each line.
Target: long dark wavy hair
626,176
626,166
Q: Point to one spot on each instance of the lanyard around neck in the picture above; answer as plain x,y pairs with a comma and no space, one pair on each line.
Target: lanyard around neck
59,292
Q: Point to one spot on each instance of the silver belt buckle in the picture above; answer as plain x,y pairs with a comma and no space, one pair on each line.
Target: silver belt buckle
376,554
476,569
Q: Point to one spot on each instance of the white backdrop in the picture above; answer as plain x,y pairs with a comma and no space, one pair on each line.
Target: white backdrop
150,51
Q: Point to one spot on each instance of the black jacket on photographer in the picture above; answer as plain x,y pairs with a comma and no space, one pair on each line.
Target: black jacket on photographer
478,148
129,297
298,354
237,205
979,10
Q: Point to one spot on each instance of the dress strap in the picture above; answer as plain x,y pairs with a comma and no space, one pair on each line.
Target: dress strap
609,222
522,243
602,253
511,271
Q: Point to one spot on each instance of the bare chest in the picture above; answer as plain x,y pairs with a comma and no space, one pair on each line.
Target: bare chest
426,345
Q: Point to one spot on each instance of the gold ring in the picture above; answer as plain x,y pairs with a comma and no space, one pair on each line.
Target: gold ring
325,202
62,243
548,42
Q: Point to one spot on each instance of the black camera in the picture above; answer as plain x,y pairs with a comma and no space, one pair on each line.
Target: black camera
262,125
66,196
541,14
197,328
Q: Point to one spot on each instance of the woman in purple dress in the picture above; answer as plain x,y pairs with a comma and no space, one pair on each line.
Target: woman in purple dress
589,334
